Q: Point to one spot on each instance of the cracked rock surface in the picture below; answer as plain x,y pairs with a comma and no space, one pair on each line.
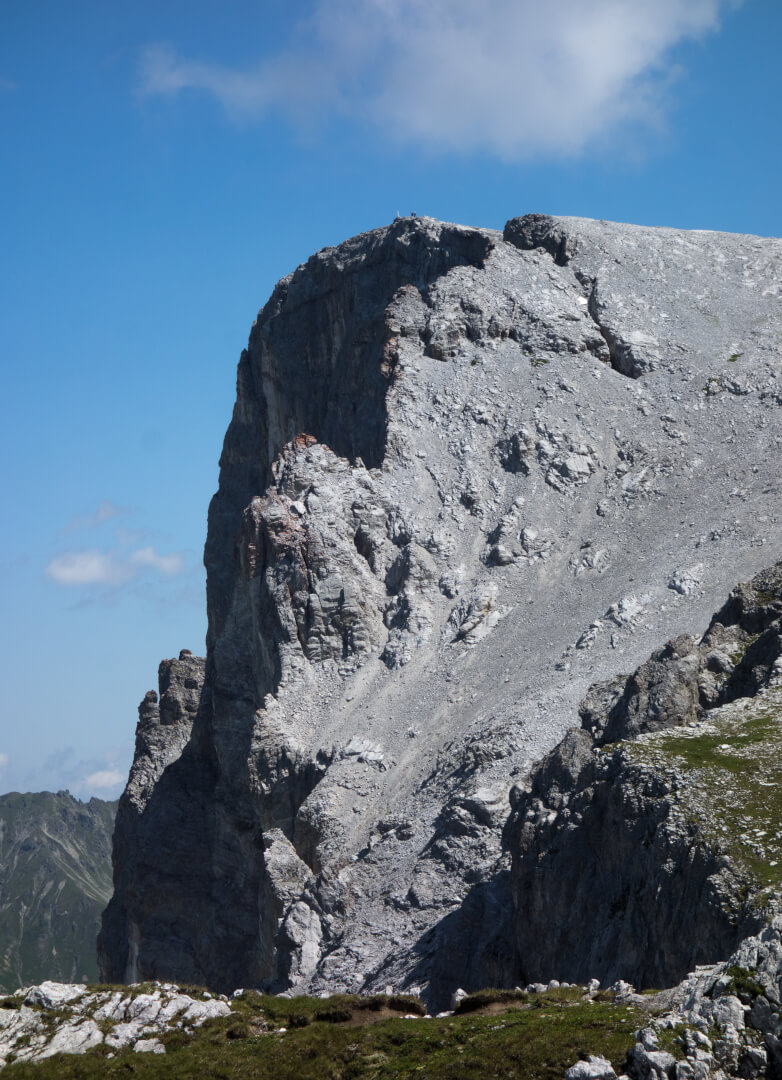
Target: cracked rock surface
468,475
658,820
68,1018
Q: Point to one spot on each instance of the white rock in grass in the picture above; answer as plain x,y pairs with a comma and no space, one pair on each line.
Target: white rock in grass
149,1046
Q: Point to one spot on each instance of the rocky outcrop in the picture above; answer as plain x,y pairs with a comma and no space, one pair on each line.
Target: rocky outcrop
657,820
60,1018
469,474
722,1020
145,814
55,880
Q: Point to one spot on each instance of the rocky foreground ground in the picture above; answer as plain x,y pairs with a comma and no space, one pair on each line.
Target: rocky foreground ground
721,1022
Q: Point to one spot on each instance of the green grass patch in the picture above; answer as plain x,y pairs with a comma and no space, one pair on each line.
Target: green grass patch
485,998
518,1044
671,1041
300,1011
733,765
743,984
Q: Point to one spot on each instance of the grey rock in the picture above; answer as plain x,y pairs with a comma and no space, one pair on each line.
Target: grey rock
724,1011
648,1038
72,1038
651,1064
68,1019
594,1068
149,1046
612,828
52,995
454,454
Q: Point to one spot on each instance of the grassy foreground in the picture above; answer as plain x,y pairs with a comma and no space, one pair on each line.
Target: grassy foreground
530,1037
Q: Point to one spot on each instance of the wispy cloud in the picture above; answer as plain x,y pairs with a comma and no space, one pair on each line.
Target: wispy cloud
169,565
74,568
102,780
103,774
514,77
3,760
105,511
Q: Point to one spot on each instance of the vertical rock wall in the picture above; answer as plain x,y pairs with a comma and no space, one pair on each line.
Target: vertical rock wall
468,474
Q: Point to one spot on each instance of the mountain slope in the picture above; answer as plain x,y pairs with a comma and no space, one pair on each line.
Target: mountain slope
468,474
658,820
55,880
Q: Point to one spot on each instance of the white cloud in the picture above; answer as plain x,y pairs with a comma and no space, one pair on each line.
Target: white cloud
86,568
515,77
164,564
105,512
102,780
106,568
3,760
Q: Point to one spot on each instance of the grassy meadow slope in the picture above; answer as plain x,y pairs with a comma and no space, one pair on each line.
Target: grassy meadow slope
55,880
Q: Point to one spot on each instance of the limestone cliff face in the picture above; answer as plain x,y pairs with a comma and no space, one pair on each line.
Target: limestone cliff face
657,821
469,473
163,733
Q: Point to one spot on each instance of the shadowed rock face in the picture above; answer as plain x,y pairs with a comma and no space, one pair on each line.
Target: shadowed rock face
625,821
319,361
468,475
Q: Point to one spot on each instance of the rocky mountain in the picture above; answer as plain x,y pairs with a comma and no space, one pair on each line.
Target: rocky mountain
722,1022
659,818
55,880
470,475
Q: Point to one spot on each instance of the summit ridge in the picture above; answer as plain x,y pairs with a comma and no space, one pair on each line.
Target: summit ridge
469,474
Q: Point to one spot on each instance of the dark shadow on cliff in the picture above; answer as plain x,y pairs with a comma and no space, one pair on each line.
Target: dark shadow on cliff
472,947
320,360
167,876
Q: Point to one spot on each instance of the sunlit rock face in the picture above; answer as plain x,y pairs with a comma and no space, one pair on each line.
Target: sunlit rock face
468,474
658,819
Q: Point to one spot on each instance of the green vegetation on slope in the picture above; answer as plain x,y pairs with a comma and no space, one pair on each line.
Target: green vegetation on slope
535,1039
731,765
55,880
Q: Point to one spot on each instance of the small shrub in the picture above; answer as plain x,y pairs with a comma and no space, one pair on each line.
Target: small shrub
743,984
397,1002
483,998
238,1031
333,1016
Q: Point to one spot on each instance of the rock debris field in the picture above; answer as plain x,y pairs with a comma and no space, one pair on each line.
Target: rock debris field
479,652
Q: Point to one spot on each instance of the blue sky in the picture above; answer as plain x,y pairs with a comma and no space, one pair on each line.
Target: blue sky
163,164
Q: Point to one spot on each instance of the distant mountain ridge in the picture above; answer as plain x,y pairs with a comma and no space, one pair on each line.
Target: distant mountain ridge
55,880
